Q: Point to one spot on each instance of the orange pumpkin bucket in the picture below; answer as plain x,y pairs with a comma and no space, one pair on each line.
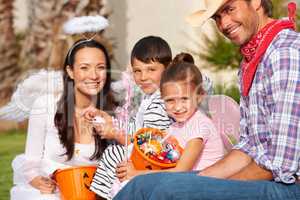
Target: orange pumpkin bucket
141,161
74,183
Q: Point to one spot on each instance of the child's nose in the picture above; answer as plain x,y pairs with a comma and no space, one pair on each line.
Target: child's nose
178,105
144,76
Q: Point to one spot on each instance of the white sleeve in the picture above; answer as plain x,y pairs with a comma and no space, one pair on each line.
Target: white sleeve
39,121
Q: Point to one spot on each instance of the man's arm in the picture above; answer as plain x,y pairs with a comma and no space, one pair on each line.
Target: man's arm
230,165
239,166
253,172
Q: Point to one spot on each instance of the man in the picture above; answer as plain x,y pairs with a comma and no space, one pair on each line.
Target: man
266,163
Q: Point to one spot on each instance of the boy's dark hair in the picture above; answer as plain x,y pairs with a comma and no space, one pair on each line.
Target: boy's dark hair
152,49
182,68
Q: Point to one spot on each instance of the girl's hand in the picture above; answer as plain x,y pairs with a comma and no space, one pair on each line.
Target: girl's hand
125,170
44,184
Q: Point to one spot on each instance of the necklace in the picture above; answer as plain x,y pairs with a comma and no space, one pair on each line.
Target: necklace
83,132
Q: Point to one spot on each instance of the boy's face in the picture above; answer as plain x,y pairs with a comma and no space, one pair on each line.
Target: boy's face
147,75
181,100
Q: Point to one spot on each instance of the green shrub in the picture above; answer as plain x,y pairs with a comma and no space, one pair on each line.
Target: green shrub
11,144
231,91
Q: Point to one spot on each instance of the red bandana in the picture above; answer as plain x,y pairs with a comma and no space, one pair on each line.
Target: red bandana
254,50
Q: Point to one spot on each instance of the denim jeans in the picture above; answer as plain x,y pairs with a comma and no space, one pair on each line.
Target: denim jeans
190,186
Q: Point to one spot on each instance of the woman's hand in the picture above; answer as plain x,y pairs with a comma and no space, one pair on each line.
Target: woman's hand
125,170
43,184
105,129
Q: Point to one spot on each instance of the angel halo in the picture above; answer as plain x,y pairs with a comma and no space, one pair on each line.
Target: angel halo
85,24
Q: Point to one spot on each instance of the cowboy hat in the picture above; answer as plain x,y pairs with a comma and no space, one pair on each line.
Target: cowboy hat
210,8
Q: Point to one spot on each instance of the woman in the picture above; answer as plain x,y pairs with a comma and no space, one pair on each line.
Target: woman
60,134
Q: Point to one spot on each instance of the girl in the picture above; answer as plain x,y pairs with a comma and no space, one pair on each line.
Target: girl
58,133
182,92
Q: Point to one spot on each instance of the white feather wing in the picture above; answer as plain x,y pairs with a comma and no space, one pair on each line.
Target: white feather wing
39,83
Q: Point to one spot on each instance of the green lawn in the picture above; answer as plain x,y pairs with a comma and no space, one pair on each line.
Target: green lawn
11,144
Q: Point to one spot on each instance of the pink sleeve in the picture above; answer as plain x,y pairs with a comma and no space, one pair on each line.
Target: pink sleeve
201,128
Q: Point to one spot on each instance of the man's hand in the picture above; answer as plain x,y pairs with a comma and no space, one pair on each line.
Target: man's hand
231,164
238,166
44,184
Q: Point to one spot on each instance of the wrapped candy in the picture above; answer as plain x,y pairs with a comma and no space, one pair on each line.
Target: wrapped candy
173,155
98,120
151,145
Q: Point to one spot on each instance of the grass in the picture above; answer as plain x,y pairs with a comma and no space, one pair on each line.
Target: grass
11,144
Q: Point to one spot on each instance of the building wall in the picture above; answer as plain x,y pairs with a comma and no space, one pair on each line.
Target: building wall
144,17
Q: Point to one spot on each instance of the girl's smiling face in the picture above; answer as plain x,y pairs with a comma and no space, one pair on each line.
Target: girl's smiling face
89,71
147,75
181,99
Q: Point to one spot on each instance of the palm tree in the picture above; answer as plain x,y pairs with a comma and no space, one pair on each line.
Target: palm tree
43,26
45,43
8,50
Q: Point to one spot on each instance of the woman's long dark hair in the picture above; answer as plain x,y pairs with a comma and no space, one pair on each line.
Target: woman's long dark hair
65,113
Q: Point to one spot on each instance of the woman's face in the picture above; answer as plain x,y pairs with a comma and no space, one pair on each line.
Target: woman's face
89,71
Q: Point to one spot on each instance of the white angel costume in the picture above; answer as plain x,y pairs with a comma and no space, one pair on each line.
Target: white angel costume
44,152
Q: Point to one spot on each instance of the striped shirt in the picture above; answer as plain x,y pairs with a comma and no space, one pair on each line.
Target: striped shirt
270,114
152,113
105,174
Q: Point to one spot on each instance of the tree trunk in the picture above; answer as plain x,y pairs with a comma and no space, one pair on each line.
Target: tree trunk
46,45
9,69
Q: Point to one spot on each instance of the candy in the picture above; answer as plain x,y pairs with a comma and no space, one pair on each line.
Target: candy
140,141
98,120
173,155
151,145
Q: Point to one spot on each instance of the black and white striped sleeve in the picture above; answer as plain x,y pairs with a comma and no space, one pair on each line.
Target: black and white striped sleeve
155,115
105,174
